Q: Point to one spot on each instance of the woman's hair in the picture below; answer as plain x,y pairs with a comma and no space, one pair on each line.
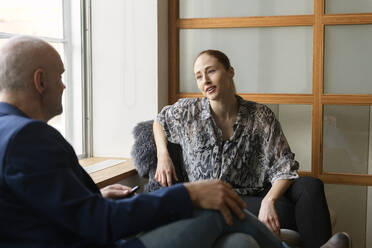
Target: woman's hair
221,57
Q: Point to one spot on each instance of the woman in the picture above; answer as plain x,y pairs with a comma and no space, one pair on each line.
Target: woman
223,136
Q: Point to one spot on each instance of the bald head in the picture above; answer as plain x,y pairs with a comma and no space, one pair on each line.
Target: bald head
31,77
19,58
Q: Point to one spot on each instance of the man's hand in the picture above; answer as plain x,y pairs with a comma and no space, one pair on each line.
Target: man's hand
269,216
115,191
165,171
215,194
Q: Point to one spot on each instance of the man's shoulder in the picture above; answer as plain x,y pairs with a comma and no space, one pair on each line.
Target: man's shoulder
33,145
10,125
22,131
14,124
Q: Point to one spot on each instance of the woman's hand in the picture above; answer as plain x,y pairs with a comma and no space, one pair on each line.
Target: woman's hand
115,191
269,216
165,171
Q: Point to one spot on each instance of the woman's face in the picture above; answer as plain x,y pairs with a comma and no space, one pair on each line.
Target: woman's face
214,81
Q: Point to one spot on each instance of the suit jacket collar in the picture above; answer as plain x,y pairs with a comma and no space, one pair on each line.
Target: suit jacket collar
8,109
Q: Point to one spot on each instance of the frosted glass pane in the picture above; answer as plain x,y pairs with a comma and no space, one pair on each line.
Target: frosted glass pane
348,59
346,139
369,217
266,60
296,125
233,8
2,42
347,6
351,205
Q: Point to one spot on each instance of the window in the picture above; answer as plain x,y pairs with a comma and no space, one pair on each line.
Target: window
59,23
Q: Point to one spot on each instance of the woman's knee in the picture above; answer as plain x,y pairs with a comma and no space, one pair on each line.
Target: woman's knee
307,186
311,183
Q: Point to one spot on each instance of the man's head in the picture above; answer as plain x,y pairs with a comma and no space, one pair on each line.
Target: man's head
30,77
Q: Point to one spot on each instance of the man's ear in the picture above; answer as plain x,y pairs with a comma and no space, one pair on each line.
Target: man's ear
39,76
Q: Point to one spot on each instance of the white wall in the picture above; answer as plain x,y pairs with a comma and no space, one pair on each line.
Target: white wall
125,52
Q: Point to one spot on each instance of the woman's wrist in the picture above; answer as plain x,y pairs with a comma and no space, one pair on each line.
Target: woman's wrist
163,153
268,199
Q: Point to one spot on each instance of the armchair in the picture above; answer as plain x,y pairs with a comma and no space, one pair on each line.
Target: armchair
145,161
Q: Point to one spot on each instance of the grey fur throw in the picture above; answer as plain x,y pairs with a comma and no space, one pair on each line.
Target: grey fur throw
145,159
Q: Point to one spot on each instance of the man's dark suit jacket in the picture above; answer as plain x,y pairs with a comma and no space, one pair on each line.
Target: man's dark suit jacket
48,200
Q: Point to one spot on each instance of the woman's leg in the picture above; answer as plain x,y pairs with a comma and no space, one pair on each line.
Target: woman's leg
302,208
284,208
311,211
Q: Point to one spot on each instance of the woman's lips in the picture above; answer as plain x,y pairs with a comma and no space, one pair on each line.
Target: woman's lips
210,89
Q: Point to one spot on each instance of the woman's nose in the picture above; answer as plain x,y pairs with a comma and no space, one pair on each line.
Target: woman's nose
206,79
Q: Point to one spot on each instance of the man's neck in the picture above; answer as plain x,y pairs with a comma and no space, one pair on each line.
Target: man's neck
31,108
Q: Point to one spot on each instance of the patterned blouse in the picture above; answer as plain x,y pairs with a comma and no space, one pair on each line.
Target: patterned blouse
256,155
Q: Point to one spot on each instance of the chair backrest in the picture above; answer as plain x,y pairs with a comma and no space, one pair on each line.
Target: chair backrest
145,158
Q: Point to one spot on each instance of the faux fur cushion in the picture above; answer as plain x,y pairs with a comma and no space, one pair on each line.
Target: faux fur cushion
145,159
144,150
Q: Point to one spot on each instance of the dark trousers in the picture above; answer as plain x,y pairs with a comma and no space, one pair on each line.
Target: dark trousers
302,208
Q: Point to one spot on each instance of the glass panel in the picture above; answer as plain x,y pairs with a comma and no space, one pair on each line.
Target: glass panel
296,124
2,42
347,6
29,18
266,60
350,204
59,121
369,217
346,139
234,8
36,17
73,80
348,59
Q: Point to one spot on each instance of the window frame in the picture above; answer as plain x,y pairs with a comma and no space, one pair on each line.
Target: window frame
318,20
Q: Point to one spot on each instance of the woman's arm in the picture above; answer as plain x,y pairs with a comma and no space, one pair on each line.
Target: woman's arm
282,168
165,168
267,212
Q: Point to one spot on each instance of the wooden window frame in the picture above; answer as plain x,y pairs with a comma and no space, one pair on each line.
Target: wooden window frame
317,99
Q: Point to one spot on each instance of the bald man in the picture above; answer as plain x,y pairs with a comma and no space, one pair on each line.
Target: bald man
48,200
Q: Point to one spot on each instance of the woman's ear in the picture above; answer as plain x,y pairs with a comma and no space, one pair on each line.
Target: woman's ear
38,80
231,71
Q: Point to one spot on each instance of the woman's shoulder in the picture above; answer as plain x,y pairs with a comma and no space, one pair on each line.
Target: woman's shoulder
258,109
188,103
183,107
255,106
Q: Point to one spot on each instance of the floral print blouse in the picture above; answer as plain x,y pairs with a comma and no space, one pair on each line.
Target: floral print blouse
255,156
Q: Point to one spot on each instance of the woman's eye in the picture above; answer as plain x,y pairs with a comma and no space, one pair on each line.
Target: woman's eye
211,71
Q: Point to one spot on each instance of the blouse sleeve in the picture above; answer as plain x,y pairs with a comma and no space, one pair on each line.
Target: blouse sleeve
280,160
171,118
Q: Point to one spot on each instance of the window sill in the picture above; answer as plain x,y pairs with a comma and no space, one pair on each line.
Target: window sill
111,174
